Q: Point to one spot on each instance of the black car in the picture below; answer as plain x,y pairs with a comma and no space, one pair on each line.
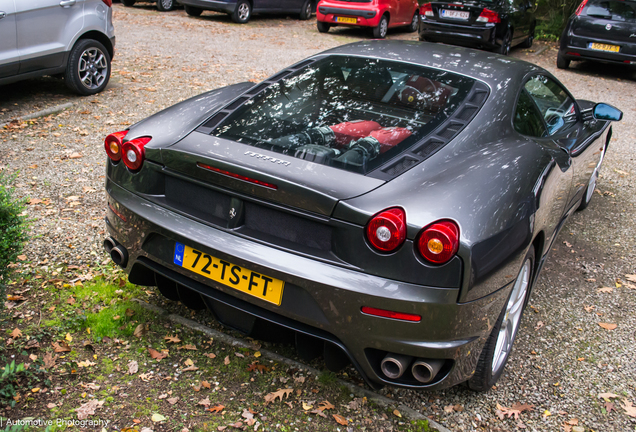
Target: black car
241,10
493,25
388,202
600,30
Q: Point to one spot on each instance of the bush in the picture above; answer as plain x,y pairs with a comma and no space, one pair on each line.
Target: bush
13,230
552,16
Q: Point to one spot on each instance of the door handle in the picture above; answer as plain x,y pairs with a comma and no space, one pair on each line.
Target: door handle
67,3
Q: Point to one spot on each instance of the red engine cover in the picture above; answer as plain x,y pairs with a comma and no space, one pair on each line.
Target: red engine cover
389,137
353,130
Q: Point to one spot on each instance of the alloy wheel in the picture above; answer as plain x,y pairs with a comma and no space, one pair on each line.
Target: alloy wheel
243,11
512,317
167,4
92,68
384,26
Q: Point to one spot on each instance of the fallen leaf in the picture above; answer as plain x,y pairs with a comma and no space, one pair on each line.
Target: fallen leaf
75,155
51,405
631,277
325,405
513,411
173,400
397,413
539,325
188,347
33,357
133,367
210,355
216,408
607,396
61,347
130,312
340,420
206,384
609,407
629,408
306,406
157,418
257,354
239,355
85,363
190,368
258,368
172,339
88,409
49,360
156,354
226,361
16,333
35,390
15,297
605,290
189,362
68,337
140,330
608,326
280,393
589,308
205,402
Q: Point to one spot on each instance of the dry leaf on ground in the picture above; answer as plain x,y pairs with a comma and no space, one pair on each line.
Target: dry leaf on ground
205,402
607,396
513,411
133,367
280,393
629,408
88,409
608,326
172,339
173,400
216,408
16,333
187,347
61,347
156,354
340,420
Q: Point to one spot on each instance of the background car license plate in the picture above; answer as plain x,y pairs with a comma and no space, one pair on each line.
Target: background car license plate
239,278
346,20
455,14
604,47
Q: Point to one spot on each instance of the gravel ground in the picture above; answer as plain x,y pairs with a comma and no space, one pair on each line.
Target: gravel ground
562,360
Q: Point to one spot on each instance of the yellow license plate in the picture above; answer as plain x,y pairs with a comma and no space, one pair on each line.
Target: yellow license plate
241,279
346,20
604,47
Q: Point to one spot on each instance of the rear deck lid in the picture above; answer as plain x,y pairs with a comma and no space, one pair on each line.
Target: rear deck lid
321,133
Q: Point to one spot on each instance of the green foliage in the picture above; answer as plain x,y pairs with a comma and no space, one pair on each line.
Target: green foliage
13,229
9,382
552,16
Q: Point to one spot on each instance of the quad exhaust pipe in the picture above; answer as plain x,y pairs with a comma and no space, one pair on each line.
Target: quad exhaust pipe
117,252
425,370
394,365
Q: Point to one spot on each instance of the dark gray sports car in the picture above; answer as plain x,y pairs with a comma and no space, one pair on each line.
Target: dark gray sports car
384,203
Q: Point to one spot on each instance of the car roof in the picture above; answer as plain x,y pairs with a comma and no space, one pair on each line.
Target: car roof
485,66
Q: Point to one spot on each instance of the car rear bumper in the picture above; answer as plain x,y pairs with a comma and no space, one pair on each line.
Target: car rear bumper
320,300
363,17
471,36
578,49
213,5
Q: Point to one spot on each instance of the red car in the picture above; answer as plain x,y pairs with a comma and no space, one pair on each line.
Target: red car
380,15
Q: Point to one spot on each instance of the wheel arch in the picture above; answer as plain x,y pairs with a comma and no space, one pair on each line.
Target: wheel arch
99,37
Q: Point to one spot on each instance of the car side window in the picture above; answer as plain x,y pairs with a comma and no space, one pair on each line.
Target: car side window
556,107
528,120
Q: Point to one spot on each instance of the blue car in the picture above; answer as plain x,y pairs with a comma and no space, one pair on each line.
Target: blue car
241,10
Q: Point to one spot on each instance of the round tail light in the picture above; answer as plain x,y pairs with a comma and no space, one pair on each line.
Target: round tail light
439,242
386,231
113,145
133,153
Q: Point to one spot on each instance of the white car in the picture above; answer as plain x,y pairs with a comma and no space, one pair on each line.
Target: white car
75,38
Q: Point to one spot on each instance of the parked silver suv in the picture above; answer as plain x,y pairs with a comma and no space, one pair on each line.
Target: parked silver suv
75,38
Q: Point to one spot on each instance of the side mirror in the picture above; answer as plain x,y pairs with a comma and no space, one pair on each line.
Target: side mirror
607,112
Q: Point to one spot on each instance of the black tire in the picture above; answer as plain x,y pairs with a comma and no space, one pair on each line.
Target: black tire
562,62
128,2
243,12
323,27
193,11
415,22
165,5
528,42
382,28
306,10
492,360
504,49
88,68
